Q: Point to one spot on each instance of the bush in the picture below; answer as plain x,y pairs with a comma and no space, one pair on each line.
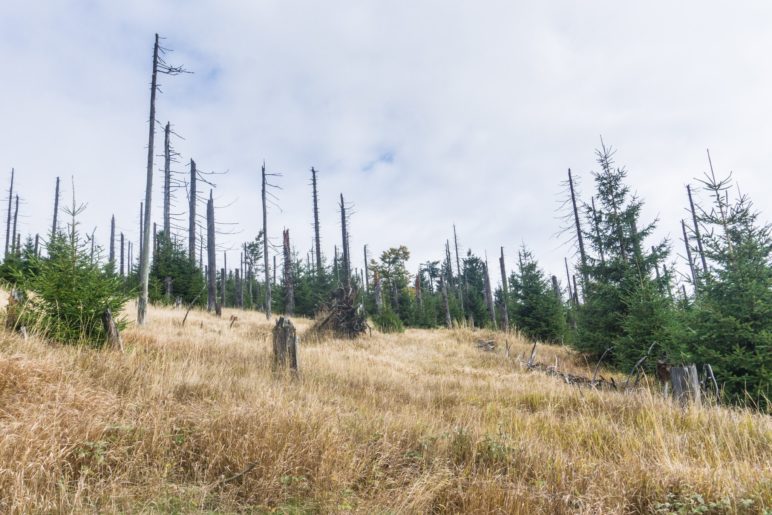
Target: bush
388,322
67,295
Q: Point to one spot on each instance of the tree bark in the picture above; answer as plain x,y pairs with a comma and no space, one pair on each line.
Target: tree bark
504,293
697,230
112,241
289,287
212,257
577,222
265,251
346,258
144,263
167,182
192,215
317,241
489,296
15,243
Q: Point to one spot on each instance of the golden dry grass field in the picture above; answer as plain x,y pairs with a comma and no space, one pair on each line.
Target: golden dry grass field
419,422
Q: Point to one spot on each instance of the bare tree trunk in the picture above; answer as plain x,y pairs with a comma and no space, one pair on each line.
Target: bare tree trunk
444,289
289,287
111,260
378,292
556,288
596,223
54,226
192,215
504,293
167,183
489,295
144,263
697,230
111,330
37,242
212,257
568,280
579,237
367,275
223,282
317,242
346,259
122,274
285,345
265,251
15,243
141,225
689,255
8,240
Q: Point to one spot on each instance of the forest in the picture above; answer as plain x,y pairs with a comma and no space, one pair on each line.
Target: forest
623,299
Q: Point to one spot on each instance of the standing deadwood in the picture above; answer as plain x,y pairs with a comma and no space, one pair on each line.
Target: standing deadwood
580,239
444,288
504,293
144,260
192,215
455,243
289,287
555,287
122,274
18,243
576,290
111,330
112,241
336,265
141,225
460,273
273,283
14,242
239,297
568,279
285,345
265,250
346,255
167,182
366,274
596,224
37,243
686,384
697,235
418,295
212,257
8,219
689,255
317,243
378,291
489,295
54,226
223,280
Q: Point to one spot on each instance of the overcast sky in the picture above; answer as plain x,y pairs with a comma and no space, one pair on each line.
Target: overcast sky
422,113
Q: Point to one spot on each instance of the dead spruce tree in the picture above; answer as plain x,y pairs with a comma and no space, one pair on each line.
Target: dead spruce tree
111,259
212,304
192,213
267,304
289,286
504,294
8,219
159,66
54,225
317,241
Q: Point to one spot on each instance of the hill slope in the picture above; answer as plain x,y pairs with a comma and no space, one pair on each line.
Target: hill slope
193,419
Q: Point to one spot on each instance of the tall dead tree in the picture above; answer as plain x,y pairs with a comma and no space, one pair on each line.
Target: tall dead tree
378,291
211,257
489,295
317,241
122,270
14,242
346,255
366,274
265,248
167,182
159,66
568,279
577,223
192,214
289,286
141,224
444,289
111,259
504,293
461,276
54,225
689,255
697,235
8,240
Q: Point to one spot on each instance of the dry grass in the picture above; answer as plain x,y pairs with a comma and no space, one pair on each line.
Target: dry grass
419,422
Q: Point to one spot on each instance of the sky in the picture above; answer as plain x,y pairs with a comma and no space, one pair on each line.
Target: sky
423,114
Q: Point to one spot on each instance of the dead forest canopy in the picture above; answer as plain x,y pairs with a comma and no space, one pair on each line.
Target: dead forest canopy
704,299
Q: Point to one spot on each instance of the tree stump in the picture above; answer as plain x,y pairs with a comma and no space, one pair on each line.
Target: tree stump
686,384
111,330
285,345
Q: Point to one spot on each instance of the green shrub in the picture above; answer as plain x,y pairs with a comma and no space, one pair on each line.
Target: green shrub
68,293
388,322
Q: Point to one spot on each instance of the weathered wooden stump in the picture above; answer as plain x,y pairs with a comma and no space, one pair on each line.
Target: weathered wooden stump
686,384
111,330
285,345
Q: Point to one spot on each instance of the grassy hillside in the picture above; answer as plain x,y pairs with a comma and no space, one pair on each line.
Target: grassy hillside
417,422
